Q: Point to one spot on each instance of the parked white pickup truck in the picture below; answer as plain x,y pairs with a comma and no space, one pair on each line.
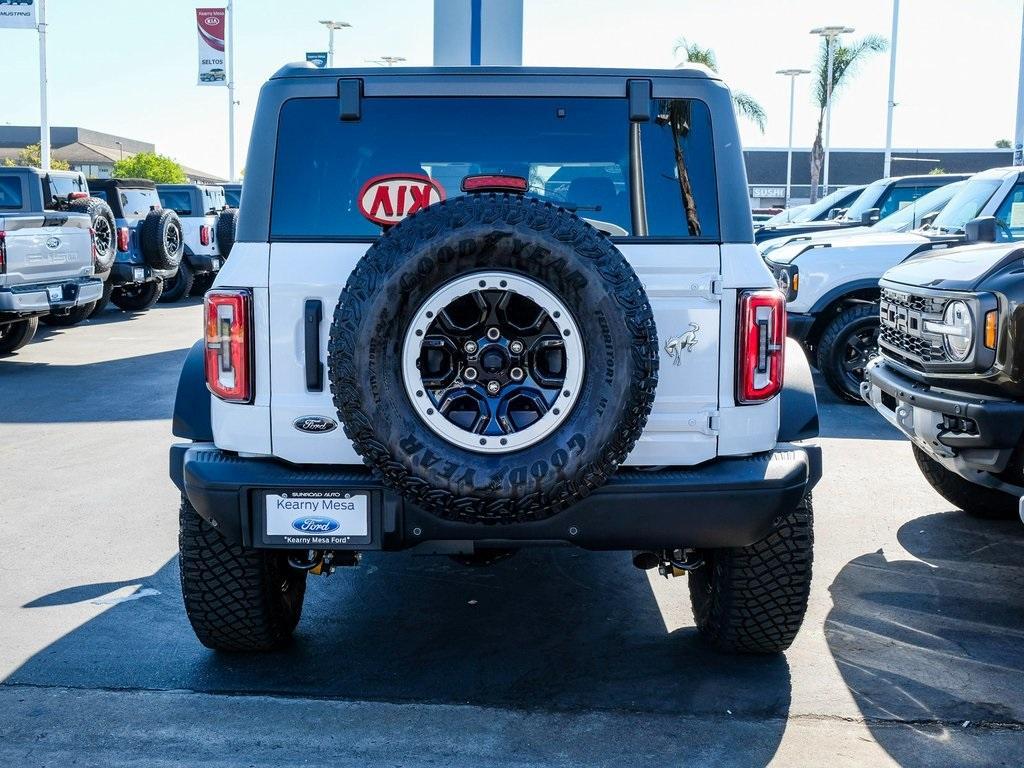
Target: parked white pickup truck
831,280
47,254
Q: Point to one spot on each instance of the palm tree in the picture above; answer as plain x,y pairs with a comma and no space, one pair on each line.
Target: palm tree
746,105
845,59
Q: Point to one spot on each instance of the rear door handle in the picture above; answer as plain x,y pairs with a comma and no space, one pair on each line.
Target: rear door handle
312,318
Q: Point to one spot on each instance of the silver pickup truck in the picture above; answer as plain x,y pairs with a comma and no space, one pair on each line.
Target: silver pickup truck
47,254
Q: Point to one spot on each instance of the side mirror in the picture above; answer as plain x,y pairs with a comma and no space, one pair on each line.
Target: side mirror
981,230
929,218
835,213
869,217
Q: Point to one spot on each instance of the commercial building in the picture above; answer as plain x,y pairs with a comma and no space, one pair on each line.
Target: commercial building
91,152
766,168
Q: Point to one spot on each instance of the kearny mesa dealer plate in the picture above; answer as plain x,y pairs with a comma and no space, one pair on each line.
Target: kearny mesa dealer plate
316,519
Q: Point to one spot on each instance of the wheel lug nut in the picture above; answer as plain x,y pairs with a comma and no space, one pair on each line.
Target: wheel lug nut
493,334
470,347
493,387
470,374
517,374
516,347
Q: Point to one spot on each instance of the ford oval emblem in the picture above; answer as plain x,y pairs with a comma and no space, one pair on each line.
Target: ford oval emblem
315,424
53,243
316,525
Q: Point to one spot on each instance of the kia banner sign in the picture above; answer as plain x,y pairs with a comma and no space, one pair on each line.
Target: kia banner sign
211,23
18,14
317,58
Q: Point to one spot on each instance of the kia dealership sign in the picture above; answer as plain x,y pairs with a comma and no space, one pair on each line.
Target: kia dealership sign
17,14
390,198
211,23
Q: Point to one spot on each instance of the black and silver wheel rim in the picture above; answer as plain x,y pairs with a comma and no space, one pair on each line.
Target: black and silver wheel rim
493,362
104,236
861,345
172,240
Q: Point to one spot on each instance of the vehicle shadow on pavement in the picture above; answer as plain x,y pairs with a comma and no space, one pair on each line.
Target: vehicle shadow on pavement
841,419
935,641
52,393
549,630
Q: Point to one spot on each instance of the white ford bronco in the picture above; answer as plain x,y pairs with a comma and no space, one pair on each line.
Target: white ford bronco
474,310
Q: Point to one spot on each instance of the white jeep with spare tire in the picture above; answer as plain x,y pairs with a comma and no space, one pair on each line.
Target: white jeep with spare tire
474,310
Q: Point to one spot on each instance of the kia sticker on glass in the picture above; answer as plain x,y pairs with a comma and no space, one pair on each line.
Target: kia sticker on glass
210,23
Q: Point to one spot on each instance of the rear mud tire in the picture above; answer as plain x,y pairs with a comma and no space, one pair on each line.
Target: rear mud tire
14,336
137,298
848,342
236,599
976,500
101,303
227,224
753,599
178,287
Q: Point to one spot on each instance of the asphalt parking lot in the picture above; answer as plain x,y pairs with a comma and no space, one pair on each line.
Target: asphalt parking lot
911,652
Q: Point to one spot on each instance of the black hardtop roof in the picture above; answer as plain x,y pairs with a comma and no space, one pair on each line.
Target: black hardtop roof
305,69
186,186
125,183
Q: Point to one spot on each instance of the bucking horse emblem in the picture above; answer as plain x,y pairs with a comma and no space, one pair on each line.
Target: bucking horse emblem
681,343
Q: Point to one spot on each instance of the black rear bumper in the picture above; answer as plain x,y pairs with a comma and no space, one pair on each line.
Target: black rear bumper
728,502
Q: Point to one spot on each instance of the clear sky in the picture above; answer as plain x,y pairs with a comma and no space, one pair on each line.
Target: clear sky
129,66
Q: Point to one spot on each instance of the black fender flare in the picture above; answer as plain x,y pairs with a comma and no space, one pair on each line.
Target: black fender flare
841,290
798,404
192,402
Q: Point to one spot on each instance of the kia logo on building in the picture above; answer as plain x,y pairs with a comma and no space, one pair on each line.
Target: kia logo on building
315,424
53,243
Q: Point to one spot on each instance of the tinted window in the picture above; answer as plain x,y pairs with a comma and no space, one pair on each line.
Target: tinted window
233,197
100,193
966,204
679,170
213,199
62,186
136,203
178,200
572,151
10,193
872,197
909,216
818,211
1010,215
900,197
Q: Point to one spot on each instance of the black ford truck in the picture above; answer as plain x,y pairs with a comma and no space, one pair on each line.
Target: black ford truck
951,371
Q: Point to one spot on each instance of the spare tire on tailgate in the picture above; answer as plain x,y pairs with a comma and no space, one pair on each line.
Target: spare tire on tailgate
227,224
103,227
493,358
161,239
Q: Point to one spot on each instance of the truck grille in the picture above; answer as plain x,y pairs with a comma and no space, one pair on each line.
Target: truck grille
903,336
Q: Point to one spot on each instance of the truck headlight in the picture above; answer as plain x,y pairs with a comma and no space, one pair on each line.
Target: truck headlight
787,276
958,330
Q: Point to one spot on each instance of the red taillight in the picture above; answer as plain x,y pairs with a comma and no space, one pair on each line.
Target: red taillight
495,183
124,238
3,251
762,343
92,246
228,345
204,235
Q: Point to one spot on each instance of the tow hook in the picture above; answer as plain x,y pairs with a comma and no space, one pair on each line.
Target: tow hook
324,563
675,562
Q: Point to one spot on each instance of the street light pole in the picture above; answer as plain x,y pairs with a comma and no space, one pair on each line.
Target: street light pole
887,167
44,119
331,26
1018,134
792,74
231,88
830,34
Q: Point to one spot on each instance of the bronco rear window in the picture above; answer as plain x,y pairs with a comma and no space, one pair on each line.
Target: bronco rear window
574,152
10,193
